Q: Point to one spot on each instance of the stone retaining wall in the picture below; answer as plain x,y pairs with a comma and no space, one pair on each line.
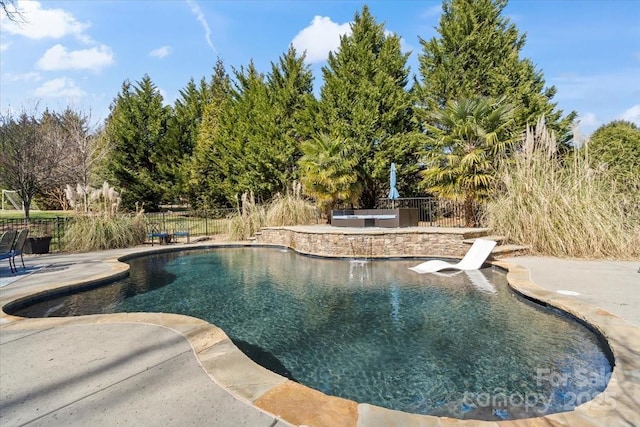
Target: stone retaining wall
330,241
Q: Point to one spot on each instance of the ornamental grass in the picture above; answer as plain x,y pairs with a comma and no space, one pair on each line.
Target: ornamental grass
563,207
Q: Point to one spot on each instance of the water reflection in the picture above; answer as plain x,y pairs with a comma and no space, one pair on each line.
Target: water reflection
371,331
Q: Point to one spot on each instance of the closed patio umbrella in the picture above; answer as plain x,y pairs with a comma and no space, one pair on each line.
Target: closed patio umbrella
393,191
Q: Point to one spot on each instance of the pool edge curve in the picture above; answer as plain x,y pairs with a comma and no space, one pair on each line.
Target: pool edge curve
297,404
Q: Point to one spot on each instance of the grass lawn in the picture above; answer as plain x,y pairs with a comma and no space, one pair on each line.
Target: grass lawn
14,214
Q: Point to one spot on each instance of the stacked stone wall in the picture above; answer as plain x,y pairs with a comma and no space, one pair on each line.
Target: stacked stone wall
372,243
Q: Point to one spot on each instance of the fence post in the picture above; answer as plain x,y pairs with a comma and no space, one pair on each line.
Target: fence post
59,243
206,222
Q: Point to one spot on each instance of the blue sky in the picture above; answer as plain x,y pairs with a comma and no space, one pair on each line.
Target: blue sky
79,52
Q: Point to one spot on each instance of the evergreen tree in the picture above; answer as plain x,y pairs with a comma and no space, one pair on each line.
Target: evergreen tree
206,171
616,148
253,143
364,103
139,156
290,85
182,133
478,54
247,132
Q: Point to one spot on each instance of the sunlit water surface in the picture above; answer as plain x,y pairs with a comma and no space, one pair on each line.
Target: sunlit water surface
463,346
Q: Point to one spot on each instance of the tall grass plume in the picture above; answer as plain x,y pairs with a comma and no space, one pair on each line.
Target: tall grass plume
291,209
248,219
562,206
99,225
288,209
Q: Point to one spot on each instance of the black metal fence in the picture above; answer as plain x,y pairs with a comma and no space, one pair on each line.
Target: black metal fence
52,227
434,212
197,223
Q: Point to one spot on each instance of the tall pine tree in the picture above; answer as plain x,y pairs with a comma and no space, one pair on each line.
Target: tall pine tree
136,129
251,142
182,132
206,172
247,132
290,85
363,102
478,54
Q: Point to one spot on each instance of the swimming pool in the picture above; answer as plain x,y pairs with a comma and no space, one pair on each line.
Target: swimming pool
371,331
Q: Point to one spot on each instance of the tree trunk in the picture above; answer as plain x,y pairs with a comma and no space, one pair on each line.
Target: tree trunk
26,203
469,217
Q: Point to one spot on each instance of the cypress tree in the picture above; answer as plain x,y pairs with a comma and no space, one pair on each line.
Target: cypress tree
206,171
183,128
136,128
290,86
478,55
363,102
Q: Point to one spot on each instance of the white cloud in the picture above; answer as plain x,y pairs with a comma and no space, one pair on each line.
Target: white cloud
320,37
161,52
62,87
27,77
195,8
45,23
4,46
587,123
588,120
632,114
59,58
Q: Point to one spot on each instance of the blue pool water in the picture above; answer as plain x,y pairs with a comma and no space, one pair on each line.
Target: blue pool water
463,346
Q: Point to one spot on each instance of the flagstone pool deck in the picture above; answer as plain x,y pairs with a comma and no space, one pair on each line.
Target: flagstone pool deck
165,369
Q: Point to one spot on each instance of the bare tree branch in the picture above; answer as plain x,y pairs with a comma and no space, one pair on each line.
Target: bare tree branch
9,8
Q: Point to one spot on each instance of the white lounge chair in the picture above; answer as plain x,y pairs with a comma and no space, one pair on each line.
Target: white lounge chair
473,260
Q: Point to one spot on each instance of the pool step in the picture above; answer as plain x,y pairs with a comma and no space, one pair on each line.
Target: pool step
509,250
498,239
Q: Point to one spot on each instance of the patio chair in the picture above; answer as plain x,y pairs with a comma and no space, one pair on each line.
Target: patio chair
6,246
473,260
18,248
180,233
154,232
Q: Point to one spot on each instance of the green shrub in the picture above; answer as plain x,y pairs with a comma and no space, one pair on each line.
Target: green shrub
563,207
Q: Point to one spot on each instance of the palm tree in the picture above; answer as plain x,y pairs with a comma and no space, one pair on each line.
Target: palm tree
328,172
464,142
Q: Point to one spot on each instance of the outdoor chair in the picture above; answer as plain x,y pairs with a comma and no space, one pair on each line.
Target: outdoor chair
180,233
154,231
18,248
6,246
473,260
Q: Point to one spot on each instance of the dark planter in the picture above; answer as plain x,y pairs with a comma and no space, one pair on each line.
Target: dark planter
37,245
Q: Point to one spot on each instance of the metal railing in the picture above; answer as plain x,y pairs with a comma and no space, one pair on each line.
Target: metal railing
43,227
434,212
197,223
